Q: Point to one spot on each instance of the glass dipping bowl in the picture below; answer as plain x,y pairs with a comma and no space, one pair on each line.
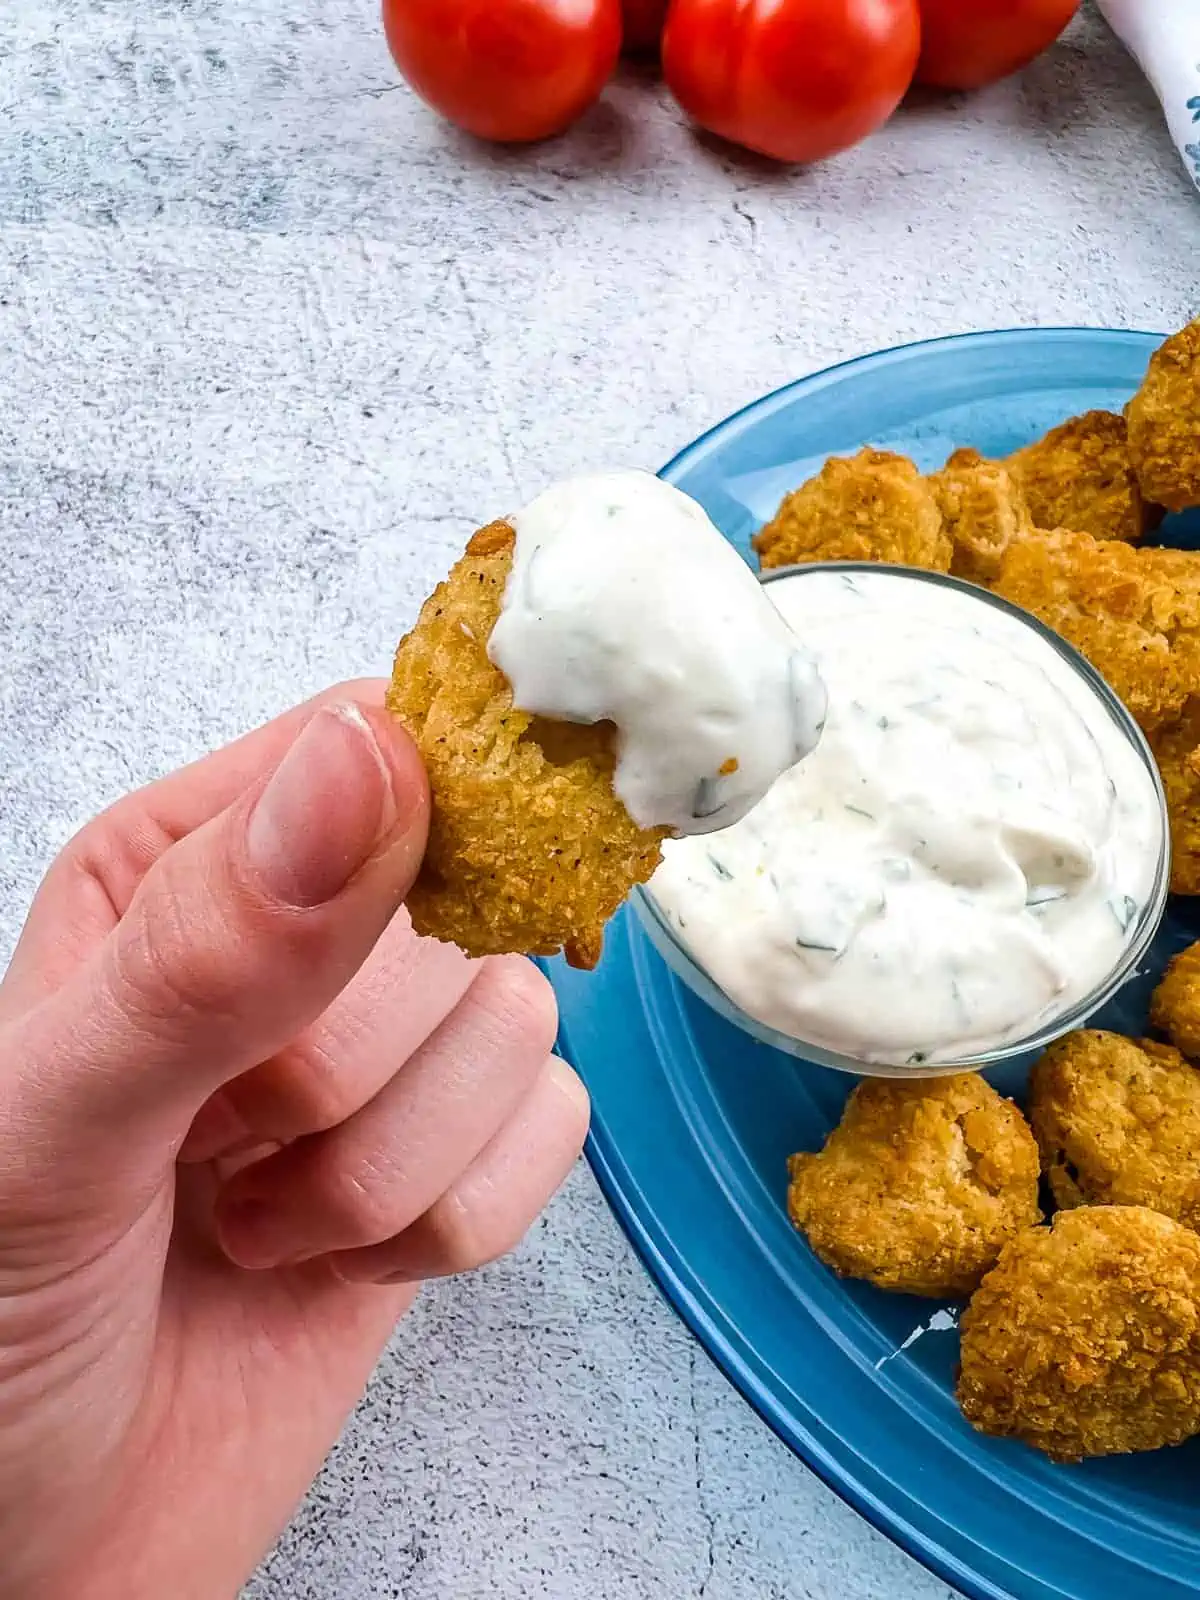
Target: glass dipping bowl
1141,934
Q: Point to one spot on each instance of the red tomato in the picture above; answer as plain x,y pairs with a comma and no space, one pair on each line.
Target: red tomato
643,24
965,45
512,70
793,79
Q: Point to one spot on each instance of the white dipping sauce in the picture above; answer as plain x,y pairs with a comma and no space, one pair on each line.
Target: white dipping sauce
962,860
626,605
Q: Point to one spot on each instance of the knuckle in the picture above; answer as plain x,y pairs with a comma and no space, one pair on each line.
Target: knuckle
355,1201
305,1091
521,999
172,967
114,851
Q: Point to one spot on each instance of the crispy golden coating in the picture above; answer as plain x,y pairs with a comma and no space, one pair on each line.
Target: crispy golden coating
1134,613
983,512
1177,752
1079,476
919,1185
1171,583
1175,1009
1118,1123
1128,611
874,506
529,848
1164,423
1084,1339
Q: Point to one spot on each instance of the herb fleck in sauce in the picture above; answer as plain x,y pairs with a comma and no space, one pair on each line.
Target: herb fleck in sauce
963,859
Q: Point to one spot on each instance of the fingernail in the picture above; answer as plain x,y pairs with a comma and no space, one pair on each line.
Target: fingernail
327,806
568,1080
248,1153
363,1274
252,1236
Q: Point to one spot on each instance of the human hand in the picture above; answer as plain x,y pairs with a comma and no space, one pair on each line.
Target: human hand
243,1112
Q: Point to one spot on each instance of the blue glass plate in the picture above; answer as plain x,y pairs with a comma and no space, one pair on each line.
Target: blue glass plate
693,1122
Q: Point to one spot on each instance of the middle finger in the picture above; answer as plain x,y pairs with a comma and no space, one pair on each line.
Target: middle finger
372,1175
404,990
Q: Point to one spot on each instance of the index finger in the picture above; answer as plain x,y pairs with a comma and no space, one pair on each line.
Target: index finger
90,884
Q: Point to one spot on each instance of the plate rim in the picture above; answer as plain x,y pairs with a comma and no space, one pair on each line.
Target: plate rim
717,1350
769,402
665,1276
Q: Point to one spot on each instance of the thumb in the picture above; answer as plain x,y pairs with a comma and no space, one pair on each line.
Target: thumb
238,938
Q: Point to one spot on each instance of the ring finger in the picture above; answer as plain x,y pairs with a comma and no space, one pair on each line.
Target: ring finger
488,1210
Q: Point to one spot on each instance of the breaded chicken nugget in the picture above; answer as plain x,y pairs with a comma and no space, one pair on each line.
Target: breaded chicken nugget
983,512
1079,476
1118,1123
1177,751
1129,612
529,848
874,506
1171,582
1084,1339
1164,423
919,1185
1175,1007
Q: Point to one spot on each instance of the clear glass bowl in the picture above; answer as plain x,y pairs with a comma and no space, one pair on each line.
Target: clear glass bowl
1141,935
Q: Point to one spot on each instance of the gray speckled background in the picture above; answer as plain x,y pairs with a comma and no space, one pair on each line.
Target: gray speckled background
271,341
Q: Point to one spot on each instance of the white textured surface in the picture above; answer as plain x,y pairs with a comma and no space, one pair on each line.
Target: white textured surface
272,341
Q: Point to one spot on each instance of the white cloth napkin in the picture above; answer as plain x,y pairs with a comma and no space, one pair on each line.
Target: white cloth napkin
1163,36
